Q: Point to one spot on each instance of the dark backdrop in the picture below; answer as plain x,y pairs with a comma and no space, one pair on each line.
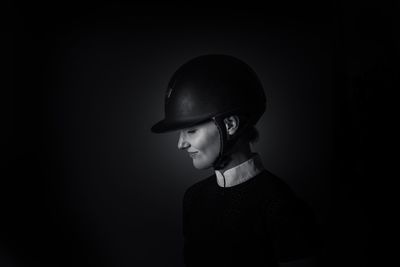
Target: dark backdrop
86,183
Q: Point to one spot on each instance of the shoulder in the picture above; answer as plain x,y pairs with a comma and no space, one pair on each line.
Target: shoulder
280,197
273,187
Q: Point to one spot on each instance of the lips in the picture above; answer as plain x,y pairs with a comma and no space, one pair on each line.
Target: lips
192,154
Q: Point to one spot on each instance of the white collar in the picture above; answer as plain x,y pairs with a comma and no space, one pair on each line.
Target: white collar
241,172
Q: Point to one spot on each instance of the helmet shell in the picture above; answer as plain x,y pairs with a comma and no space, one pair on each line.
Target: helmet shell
209,86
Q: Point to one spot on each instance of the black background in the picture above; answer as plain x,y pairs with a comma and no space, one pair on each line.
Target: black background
86,183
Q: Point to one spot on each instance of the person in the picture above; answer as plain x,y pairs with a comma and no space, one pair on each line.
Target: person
242,215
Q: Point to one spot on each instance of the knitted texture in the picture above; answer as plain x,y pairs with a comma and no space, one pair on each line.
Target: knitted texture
260,222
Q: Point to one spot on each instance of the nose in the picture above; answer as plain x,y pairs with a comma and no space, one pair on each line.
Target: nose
182,143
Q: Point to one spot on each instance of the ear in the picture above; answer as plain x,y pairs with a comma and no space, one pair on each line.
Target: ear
231,124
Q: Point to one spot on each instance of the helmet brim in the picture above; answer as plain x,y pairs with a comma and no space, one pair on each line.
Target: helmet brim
165,126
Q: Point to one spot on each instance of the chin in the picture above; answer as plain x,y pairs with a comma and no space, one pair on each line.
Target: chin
201,165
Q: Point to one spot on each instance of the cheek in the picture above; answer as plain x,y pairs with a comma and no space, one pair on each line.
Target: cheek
210,145
214,146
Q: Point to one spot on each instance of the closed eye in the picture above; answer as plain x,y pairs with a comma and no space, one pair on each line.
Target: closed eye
191,131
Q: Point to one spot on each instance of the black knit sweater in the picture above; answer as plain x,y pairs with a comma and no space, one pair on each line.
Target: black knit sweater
259,222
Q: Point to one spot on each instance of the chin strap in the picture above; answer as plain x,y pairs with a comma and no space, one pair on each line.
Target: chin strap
227,142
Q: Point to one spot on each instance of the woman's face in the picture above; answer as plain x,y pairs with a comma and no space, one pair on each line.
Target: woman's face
202,143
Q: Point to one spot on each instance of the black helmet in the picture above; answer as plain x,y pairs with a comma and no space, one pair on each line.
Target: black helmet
212,87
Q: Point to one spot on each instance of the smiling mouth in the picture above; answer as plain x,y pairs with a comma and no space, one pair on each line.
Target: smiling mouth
192,154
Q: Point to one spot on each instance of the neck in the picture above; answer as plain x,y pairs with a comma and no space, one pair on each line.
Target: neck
240,155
